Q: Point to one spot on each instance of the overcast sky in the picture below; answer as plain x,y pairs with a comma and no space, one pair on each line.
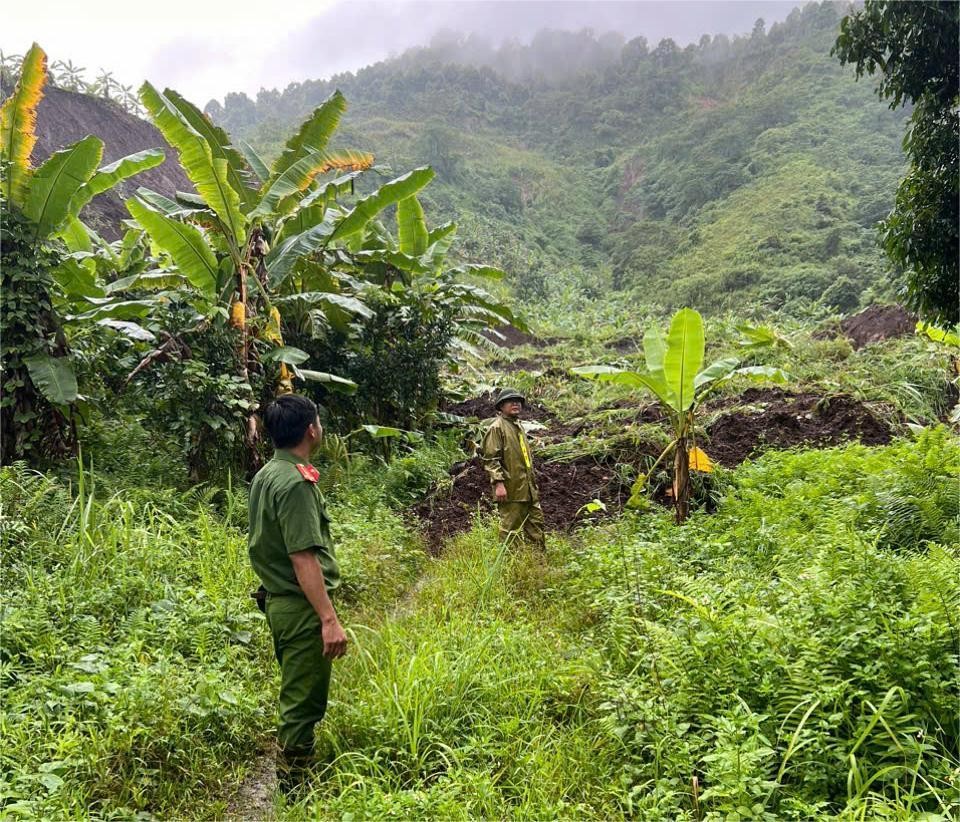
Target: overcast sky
206,48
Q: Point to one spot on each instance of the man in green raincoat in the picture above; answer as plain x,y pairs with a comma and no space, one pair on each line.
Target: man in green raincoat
505,454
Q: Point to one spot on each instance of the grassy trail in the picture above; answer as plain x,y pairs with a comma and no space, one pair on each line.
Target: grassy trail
793,653
469,697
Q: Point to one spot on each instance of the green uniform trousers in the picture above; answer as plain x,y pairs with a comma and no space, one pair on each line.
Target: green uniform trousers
522,519
304,670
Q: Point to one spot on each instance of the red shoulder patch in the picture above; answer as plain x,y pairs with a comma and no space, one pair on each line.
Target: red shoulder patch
308,472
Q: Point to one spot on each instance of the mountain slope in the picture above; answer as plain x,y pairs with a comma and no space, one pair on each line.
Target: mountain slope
715,172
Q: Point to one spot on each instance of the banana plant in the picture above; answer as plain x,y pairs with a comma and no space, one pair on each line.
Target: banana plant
220,238
47,201
413,265
676,377
951,341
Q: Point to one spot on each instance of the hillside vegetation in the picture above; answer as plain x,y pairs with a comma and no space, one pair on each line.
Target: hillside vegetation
752,168
747,607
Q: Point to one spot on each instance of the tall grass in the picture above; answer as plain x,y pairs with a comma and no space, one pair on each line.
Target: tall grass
137,673
792,656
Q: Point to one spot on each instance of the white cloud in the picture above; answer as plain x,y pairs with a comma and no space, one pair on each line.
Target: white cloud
206,49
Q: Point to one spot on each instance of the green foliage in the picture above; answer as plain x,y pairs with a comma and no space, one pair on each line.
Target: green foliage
675,378
793,650
395,360
913,48
34,357
137,672
736,169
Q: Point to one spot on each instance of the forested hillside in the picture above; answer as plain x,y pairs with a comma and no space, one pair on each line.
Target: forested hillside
743,601
751,167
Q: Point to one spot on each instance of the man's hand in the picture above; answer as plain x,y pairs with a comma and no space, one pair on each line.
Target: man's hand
334,639
500,492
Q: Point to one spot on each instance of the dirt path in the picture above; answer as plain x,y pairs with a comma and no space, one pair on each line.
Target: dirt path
253,801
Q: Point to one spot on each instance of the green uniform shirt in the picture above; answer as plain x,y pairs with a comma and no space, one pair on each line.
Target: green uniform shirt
287,514
506,457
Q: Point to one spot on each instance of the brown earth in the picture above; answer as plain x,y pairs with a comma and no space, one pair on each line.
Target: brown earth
779,420
789,421
876,323
506,336
565,487
482,408
64,117
626,345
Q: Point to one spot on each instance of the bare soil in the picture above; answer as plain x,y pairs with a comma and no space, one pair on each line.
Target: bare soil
784,420
510,337
565,487
253,801
773,418
626,345
482,408
876,323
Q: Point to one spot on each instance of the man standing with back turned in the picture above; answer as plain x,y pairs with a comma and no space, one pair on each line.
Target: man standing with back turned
505,454
292,553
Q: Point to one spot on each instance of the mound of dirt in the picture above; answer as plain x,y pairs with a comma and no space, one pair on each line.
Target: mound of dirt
482,408
565,487
64,117
789,421
626,345
507,336
878,322
778,419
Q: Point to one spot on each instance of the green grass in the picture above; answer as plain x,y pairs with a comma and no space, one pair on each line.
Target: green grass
793,655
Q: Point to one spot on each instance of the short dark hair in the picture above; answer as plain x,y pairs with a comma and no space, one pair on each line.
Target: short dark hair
287,419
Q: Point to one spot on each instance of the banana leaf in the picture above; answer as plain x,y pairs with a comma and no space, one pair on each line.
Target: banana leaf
254,160
108,176
55,183
220,146
334,383
54,377
387,195
184,243
313,134
683,357
281,260
209,174
411,227
18,122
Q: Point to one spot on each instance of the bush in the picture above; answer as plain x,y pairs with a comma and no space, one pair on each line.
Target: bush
395,361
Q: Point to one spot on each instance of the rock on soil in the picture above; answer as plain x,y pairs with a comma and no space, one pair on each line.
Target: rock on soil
876,323
791,420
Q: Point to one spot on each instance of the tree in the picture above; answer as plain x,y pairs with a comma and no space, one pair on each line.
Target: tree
913,48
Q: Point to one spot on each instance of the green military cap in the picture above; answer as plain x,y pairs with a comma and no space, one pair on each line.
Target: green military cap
509,394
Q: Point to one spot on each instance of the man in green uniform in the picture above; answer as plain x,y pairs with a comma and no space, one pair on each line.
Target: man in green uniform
505,454
292,553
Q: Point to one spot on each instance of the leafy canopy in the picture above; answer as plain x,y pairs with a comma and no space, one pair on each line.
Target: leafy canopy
912,48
